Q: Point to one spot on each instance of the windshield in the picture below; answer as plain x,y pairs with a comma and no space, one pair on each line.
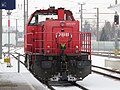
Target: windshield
38,17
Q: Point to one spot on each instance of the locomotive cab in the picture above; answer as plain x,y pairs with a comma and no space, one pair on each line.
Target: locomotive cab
55,48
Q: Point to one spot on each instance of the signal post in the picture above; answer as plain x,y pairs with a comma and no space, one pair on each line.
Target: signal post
116,22
0,34
7,5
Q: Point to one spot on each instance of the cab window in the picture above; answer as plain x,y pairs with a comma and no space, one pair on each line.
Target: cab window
34,20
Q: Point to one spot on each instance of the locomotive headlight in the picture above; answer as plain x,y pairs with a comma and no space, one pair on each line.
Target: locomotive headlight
62,24
48,46
77,51
76,46
48,51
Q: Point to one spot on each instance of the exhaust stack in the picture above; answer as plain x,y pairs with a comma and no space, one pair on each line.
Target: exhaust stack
61,13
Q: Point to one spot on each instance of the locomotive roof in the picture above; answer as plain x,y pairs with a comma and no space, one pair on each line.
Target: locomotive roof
53,11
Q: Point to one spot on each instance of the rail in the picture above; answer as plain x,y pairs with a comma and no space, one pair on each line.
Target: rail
106,72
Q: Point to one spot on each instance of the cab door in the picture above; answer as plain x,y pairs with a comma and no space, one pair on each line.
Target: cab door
31,28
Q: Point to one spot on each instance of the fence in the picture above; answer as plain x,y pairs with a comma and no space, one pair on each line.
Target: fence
103,46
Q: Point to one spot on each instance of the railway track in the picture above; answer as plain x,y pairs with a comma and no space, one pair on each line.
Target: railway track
46,83
79,86
51,84
106,54
96,69
106,72
67,83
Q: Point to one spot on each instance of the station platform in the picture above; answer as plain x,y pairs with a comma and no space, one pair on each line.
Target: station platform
10,79
113,64
14,81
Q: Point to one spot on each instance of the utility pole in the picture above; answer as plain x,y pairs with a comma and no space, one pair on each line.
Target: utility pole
97,24
0,34
8,13
81,16
16,33
25,13
24,17
116,33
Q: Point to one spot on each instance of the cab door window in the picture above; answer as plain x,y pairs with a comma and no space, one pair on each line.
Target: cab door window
34,21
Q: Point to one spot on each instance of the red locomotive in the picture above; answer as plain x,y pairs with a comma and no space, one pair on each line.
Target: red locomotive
55,49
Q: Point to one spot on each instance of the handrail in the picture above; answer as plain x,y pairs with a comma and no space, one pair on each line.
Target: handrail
84,41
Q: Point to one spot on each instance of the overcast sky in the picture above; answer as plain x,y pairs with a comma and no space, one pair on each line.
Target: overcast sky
73,6
68,4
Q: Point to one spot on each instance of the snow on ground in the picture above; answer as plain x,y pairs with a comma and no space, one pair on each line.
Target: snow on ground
98,61
17,81
92,81
67,88
99,82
